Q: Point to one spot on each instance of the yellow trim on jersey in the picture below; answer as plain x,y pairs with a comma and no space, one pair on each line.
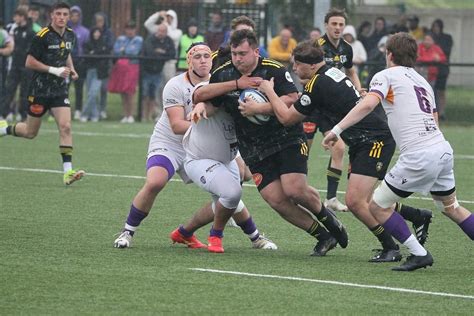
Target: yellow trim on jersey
321,41
304,150
271,62
214,54
222,66
69,29
376,150
43,31
309,86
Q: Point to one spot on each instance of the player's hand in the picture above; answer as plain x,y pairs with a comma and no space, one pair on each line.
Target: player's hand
329,140
246,82
248,108
74,75
363,92
267,86
198,112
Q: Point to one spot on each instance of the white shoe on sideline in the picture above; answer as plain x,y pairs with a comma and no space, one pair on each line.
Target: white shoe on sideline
103,115
124,120
124,240
335,205
263,242
130,119
77,115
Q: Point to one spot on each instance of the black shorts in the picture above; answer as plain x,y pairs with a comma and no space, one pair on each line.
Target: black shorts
292,159
38,106
371,159
313,122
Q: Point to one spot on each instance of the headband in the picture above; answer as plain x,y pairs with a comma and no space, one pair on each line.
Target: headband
308,59
194,48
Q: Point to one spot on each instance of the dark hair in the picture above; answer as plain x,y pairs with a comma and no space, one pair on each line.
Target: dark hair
195,44
381,18
238,37
308,52
404,49
21,12
438,22
33,8
243,19
335,12
60,5
131,24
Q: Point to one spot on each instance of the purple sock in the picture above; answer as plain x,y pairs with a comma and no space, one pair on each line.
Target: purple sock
468,226
216,232
134,219
250,228
185,232
397,227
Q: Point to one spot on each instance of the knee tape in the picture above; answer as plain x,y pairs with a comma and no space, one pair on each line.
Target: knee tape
384,197
447,208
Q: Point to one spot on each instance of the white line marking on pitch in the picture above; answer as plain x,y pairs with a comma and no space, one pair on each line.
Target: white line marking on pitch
366,286
175,180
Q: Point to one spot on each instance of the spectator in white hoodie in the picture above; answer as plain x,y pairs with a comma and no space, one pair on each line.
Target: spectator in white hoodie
358,50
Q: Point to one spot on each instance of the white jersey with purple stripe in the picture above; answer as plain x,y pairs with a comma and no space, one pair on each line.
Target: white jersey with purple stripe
408,101
177,92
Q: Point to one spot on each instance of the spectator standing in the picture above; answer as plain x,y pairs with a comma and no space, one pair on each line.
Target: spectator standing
6,48
33,16
380,30
377,57
445,41
82,35
191,36
414,29
281,47
428,51
161,47
124,75
359,55
363,34
18,74
101,21
315,34
96,72
216,32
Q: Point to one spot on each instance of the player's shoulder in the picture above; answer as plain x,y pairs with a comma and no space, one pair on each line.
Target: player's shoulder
225,65
42,33
271,63
310,85
322,40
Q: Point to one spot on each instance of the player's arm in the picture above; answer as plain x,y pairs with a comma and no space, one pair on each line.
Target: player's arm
179,123
8,49
361,110
70,64
34,64
352,74
216,89
286,115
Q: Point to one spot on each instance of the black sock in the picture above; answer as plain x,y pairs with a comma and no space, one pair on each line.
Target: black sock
327,219
407,212
318,231
384,237
333,176
11,130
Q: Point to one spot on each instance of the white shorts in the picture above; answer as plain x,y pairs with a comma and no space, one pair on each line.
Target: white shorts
424,171
203,171
174,152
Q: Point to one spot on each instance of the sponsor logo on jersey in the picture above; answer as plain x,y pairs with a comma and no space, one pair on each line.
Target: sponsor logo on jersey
66,101
53,46
309,127
288,77
257,178
379,166
203,180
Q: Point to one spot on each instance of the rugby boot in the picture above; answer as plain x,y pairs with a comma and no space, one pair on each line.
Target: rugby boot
421,226
386,255
192,242
72,176
323,246
415,262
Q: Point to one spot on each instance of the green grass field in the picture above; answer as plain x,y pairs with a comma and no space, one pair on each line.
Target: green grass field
57,255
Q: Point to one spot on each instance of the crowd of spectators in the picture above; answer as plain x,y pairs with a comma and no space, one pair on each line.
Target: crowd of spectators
163,52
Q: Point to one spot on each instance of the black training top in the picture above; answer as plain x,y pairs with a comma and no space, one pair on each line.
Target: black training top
257,142
332,93
51,49
340,56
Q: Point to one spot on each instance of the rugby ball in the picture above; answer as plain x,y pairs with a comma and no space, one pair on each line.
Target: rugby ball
258,97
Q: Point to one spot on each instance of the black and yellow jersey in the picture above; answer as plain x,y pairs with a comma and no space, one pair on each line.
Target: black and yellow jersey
257,142
52,49
220,57
333,95
340,56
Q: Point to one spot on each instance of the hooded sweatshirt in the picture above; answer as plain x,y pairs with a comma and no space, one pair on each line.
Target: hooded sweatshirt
358,50
82,33
173,32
